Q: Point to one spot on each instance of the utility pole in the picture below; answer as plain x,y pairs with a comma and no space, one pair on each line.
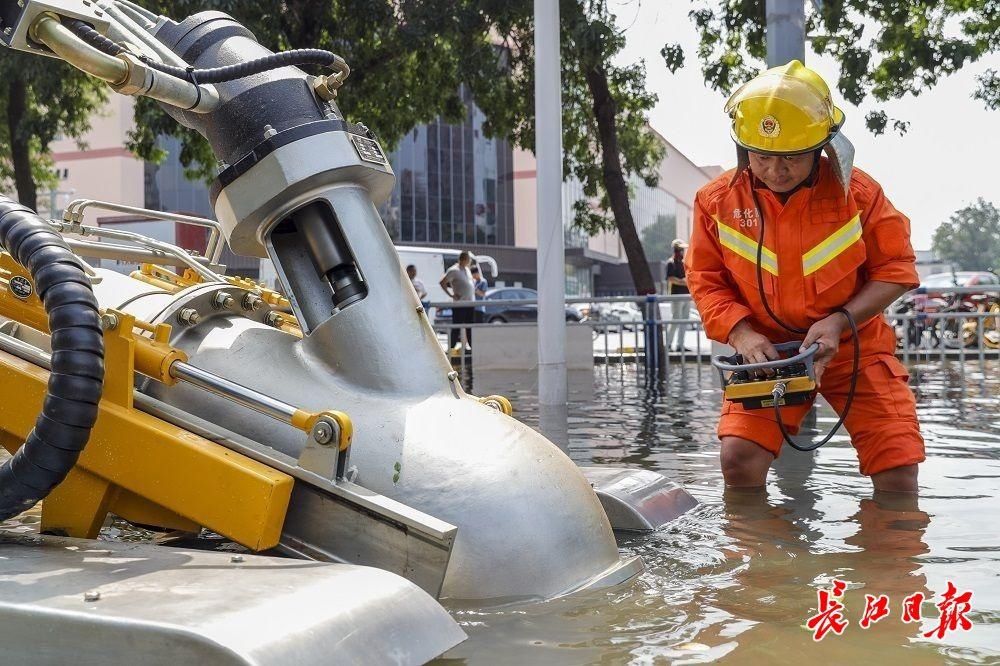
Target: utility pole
551,260
786,31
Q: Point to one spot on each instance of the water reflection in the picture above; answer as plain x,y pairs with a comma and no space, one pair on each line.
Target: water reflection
736,579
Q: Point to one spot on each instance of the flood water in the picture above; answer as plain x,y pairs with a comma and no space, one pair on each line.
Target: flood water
736,579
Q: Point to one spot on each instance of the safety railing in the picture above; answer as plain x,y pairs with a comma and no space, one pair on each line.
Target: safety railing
622,329
960,323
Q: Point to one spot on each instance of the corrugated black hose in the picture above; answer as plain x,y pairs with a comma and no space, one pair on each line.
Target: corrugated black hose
214,74
77,376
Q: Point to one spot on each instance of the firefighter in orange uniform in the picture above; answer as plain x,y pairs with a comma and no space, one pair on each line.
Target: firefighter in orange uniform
831,240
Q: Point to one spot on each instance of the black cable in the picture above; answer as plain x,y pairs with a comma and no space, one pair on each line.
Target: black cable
801,331
77,373
295,57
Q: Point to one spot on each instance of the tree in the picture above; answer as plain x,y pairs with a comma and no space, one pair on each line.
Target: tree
40,99
971,239
408,60
404,71
606,138
657,237
885,49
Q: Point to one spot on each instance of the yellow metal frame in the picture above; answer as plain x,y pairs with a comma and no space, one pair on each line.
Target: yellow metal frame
135,465
763,389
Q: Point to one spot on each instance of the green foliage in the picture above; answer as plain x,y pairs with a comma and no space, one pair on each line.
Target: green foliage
503,83
886,49
60,101
403,57
971,239
657,237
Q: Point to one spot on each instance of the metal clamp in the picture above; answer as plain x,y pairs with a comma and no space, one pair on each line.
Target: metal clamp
328,446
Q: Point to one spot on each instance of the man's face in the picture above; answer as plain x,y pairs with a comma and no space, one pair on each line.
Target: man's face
412,272
781,173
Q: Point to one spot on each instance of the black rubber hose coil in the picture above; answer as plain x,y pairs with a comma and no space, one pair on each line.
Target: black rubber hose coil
76,379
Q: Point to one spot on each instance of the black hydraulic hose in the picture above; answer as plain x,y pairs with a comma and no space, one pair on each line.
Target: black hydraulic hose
77,375
295,57
801,331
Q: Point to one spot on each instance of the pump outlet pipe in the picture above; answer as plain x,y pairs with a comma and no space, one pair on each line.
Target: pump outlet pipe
76,379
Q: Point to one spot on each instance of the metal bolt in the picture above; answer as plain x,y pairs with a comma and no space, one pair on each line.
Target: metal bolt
274,319
188,316
109,321
420,308
7,31
92,595
493,404
252,302
20,3
453,375
223,300
236,559
269,131
323,433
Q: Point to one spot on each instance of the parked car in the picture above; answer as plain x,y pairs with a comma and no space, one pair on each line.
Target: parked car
499,314
938,284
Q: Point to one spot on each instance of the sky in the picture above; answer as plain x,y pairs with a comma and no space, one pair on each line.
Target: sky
947,158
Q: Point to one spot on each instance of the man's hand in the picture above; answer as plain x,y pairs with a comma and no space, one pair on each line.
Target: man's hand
751,345
827,333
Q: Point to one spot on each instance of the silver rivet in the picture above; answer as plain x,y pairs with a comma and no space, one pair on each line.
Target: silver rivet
322,432
92,595
188,316
236,559
453,375
269,131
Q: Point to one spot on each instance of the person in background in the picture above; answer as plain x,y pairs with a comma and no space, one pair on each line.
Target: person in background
418,286
457,283
480,285
677,284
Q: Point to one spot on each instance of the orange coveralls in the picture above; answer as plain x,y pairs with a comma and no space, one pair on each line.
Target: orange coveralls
819,250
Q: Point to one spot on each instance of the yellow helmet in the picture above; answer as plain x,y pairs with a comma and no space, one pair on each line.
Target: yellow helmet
784,111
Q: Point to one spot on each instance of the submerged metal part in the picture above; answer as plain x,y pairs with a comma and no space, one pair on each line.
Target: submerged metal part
79,601
638,500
